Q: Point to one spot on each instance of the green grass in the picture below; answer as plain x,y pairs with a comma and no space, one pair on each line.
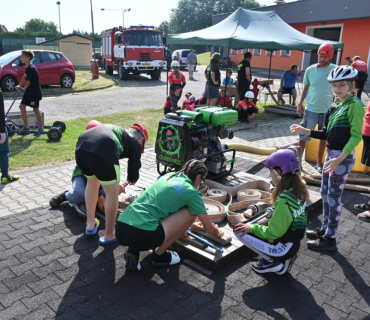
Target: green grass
203,58
30,151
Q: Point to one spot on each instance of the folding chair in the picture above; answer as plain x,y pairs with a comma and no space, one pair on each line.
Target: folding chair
265,91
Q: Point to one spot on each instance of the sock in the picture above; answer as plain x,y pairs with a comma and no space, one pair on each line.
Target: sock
165,257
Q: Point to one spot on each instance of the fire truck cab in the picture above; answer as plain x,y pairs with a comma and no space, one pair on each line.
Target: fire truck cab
138,49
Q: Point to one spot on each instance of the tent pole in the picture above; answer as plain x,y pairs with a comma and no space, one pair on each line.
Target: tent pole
167,82
340,58
227,79
270,65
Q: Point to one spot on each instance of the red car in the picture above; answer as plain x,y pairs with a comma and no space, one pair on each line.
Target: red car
54,68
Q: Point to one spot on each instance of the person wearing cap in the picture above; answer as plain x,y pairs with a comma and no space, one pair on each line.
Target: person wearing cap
98,152
76,195
177,83
342,133
246,108
361,67
319,97
349,61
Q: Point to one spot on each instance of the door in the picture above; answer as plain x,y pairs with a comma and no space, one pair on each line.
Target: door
37,61
51,67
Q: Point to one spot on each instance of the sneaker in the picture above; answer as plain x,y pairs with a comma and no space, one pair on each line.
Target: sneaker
56,201
81,210
9,178
287,265
132,262
264,266
315,234
322,244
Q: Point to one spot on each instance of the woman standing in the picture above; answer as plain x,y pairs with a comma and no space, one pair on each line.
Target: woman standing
213,76
162,214
177,83
342,133
365,216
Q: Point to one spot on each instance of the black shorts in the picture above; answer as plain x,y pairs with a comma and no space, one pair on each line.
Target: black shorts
92,166
366,151
288,90
138,239
32,104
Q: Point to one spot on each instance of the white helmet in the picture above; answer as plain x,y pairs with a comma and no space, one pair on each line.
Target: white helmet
341,73
192,97
175,64
249,94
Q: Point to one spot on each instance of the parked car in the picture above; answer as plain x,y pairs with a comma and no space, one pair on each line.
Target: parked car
183,55
54,68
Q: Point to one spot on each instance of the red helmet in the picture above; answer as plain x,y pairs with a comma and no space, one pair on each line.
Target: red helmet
326,48
93,123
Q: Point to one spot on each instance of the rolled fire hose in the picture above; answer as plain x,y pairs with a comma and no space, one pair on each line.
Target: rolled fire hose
352,187
215,210
217,194
248,195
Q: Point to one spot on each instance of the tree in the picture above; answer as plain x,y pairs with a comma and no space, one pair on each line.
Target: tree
191,15
38,25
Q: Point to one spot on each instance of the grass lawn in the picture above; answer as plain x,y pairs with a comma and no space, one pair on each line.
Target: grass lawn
30,151
203,58
83,81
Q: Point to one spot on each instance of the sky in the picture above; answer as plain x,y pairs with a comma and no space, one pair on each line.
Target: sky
76,14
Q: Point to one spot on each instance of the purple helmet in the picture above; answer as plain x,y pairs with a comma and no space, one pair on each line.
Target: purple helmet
286,160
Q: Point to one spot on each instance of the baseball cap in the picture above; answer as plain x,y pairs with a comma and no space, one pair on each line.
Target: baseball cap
142,130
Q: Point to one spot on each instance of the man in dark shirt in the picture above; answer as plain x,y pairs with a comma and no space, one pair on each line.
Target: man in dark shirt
32,90
244,75
6,177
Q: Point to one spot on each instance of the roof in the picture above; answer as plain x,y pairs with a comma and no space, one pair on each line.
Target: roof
251,29
3,28
67,36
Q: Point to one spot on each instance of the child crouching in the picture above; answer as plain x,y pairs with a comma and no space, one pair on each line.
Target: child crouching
279,241
246,108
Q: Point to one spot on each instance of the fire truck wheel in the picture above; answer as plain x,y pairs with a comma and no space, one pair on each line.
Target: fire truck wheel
122,73
155,75
108,69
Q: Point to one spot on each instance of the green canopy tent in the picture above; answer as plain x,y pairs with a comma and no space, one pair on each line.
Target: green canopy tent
251,29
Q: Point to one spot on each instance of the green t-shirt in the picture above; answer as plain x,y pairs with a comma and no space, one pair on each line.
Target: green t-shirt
161,199
319,95
77,172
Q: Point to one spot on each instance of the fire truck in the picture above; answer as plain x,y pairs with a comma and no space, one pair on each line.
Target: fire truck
138,49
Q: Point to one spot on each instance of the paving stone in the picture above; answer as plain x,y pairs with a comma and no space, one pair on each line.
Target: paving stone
17,309
13,283
10,261
48,258
49,281
11,243
70,314
149,309
22,292
87,308
231,315
6,274
26,266
53,267
36,301
333,313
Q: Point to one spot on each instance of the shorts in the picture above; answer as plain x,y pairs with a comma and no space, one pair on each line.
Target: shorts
191,67
93,166
211,92
32,104
366,151
288,90
138,239
309,121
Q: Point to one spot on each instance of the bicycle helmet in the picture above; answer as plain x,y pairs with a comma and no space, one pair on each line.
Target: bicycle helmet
326,48
286,160
175,64
249,94
341,73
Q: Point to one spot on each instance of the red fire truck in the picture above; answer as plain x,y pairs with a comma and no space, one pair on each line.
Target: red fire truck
138,49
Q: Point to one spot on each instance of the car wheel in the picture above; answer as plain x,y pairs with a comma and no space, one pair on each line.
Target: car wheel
54,134
122,72
9,83
107,69
66,81
155,74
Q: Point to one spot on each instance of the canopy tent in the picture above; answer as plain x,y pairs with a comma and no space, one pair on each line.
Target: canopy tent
251,29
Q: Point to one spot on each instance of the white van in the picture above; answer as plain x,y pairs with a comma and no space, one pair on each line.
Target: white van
183,55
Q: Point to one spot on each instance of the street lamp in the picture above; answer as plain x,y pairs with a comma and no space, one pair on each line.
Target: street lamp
60,27
123,14
95,69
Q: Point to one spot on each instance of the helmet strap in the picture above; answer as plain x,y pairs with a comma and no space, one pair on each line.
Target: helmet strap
277,174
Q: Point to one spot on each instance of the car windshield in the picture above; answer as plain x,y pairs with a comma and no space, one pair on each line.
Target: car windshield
143,38
6,58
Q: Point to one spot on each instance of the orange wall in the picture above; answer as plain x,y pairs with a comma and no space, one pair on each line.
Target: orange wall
355,36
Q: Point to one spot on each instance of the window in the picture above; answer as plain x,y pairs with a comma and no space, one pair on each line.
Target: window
269,53
143,38
234,51
257,52
37,58
285,53
50,57
244,50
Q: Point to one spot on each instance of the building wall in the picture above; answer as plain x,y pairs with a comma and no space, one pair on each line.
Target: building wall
355,36
78,50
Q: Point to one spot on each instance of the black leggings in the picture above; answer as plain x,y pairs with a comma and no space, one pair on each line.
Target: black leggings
138,239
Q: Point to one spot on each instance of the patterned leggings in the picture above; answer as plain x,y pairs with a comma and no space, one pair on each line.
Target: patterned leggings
174,99
332,187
